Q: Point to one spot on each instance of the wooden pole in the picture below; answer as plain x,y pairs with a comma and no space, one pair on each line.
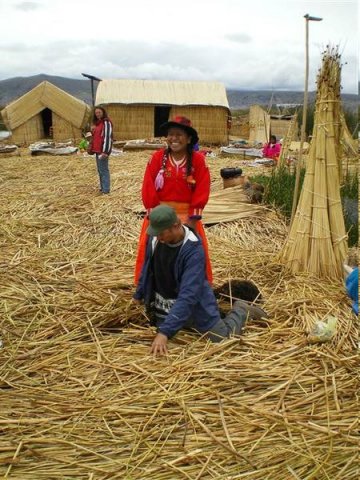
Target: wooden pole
92,92
303,123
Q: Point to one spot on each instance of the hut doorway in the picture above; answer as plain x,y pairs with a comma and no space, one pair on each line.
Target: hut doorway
46,116
161,115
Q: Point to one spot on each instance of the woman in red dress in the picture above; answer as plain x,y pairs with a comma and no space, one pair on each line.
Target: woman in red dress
176,176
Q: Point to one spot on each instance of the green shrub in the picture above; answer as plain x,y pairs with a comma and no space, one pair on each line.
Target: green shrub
349,198
279,192
279,188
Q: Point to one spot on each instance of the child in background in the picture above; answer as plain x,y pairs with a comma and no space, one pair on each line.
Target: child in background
272,149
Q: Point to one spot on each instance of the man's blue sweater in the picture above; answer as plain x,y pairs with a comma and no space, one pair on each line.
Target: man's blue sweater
195,298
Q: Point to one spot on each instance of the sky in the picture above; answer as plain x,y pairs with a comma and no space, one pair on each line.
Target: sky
245,44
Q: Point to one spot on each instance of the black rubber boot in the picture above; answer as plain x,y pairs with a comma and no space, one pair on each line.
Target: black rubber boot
252,311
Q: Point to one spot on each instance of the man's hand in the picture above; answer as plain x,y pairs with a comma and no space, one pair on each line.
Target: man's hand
159,345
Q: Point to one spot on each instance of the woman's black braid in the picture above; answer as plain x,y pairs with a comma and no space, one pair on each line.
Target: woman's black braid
189,149
164,159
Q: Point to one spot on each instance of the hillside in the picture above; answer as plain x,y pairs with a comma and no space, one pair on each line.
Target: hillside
12,88
241,99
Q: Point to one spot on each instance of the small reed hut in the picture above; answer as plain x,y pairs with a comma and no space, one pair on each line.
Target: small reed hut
45,112
280,125
263,124
139,107
259,125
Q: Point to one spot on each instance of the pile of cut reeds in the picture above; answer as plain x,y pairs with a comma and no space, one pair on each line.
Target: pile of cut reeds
317,240
82,398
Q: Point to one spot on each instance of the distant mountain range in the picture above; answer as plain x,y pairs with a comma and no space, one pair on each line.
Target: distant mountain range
13,88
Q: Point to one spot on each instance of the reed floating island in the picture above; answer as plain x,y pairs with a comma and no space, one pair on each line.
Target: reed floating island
80,395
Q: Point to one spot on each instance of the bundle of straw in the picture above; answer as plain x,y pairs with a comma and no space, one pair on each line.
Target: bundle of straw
317,240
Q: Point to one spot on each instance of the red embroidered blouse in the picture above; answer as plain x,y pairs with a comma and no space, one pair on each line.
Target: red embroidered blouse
176,187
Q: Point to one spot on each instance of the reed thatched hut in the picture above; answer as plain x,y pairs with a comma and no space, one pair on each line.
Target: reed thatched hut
45,112
262,125
280,124
138,107
259,125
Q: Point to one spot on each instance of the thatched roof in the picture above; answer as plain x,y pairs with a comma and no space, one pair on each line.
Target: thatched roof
161,92
46,95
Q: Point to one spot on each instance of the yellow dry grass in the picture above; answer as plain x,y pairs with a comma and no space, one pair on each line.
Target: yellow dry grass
82,399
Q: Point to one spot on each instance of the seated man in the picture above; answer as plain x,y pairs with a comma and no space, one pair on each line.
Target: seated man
174,287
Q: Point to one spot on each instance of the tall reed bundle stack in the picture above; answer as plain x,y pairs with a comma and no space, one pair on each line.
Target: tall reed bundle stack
348,144
317,240
82,399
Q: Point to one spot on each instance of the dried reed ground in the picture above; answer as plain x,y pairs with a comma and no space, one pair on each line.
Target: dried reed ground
80,396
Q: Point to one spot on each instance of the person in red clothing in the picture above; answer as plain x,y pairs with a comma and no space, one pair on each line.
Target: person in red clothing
179,177
272,149
102,134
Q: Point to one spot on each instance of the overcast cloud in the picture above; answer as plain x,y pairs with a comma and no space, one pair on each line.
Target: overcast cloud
27,6
252,45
